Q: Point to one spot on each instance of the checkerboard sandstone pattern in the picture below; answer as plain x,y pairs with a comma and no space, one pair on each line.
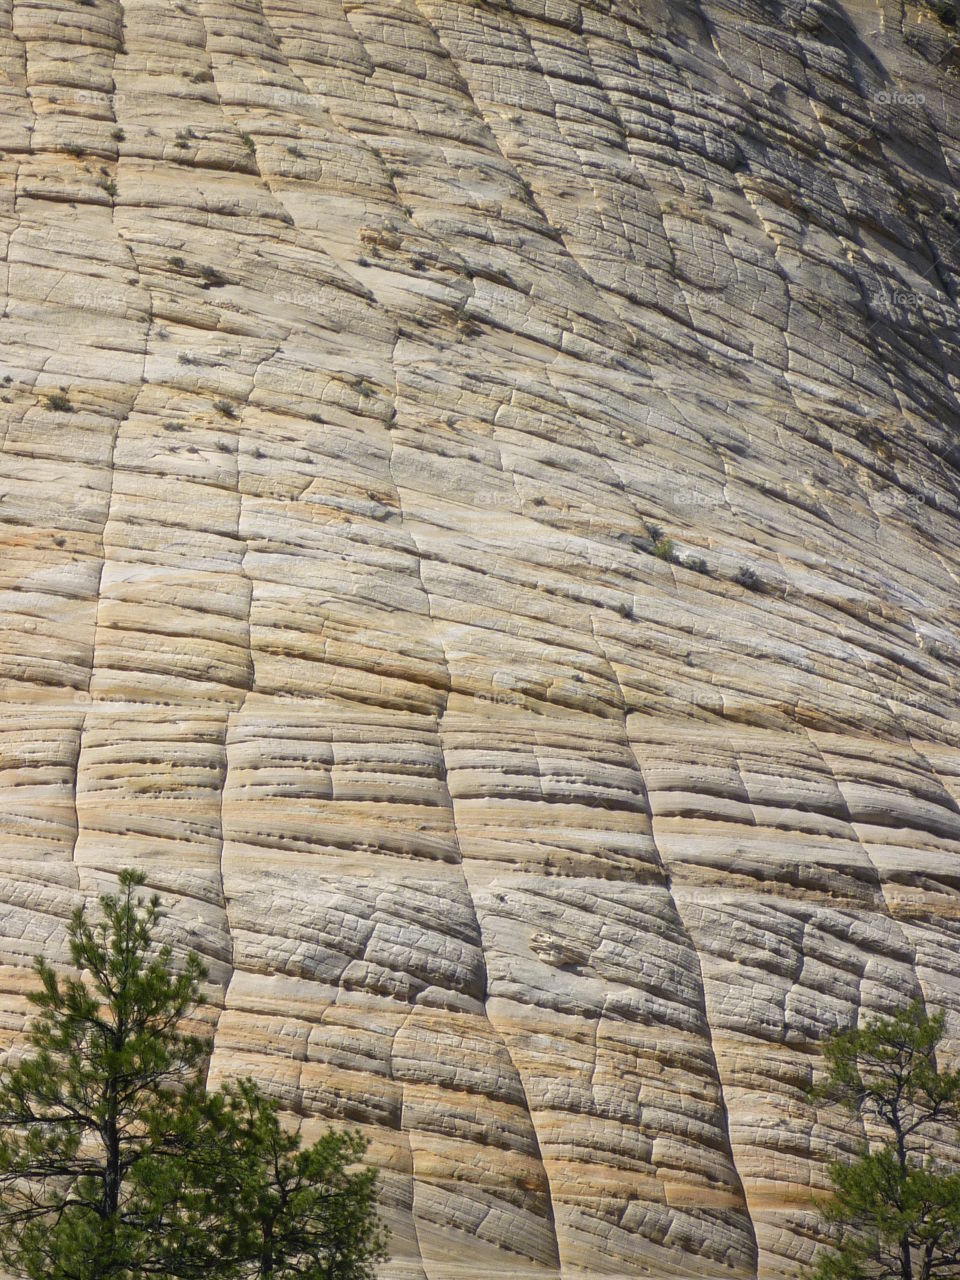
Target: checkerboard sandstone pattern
478,497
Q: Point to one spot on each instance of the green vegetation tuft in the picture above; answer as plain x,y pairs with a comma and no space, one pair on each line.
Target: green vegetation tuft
59,401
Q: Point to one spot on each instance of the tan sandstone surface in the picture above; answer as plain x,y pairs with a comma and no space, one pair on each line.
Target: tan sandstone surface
376,375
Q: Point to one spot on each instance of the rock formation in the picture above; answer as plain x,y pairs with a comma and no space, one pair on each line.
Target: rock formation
479,485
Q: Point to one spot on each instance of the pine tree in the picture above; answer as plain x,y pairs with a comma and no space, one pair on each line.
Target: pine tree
284,1210
896,1208
115,1163
90,1116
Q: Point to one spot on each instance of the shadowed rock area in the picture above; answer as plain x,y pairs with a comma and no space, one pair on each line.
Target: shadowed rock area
479,491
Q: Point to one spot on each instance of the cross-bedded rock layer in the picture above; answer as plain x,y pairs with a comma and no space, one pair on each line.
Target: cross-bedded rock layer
478,496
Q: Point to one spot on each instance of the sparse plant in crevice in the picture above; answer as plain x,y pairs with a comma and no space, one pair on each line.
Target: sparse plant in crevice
697,564
59,401
248,142
746,577
74,149
225,407
118,135
212,278
109,186
664,549
177,263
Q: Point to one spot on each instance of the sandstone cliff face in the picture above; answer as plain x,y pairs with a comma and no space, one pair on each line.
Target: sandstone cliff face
377,373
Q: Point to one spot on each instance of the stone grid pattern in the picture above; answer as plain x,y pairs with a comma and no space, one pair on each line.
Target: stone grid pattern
357,359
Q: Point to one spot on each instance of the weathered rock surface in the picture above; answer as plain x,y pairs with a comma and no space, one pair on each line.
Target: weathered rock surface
479,491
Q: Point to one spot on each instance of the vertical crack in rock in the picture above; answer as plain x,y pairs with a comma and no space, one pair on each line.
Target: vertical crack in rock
222,886
821,952
901,805
535,1242
753,1256
746,1255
